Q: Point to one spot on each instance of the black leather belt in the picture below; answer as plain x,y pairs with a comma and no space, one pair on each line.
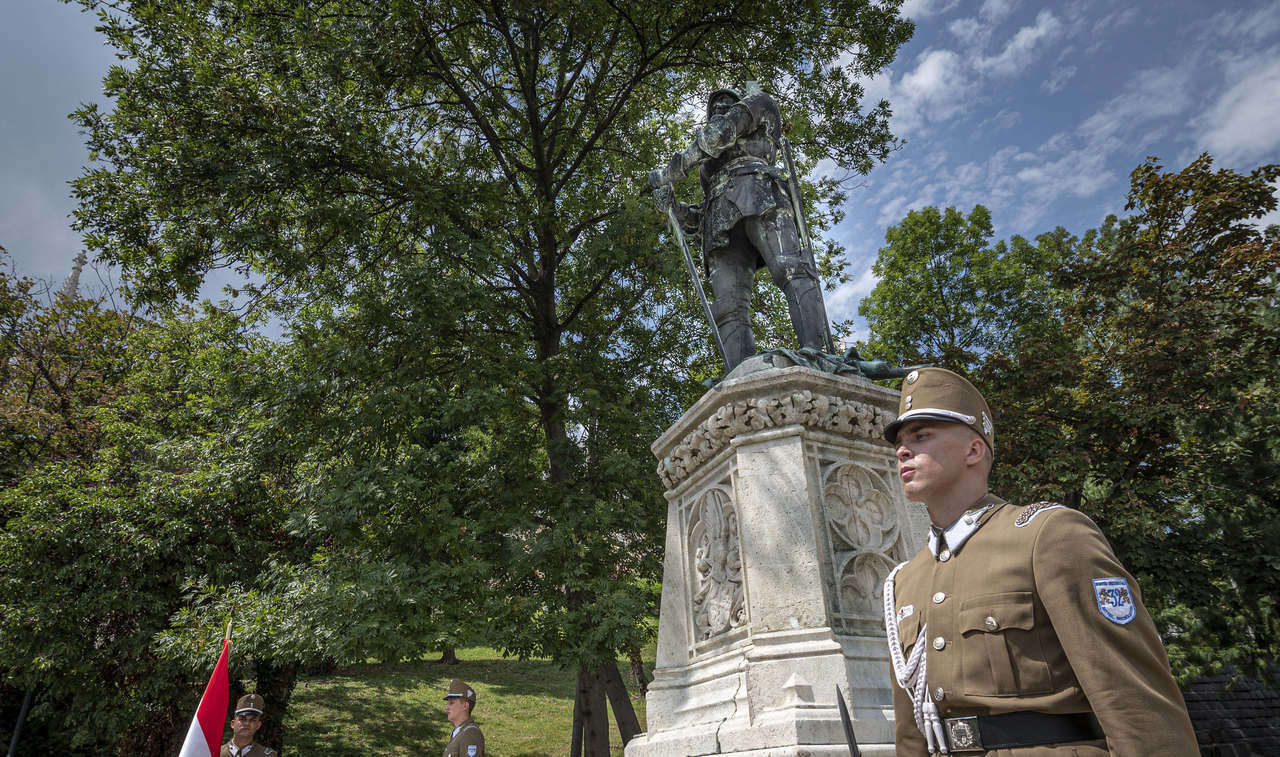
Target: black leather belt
978,733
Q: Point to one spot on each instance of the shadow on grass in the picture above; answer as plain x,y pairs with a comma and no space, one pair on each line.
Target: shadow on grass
525,708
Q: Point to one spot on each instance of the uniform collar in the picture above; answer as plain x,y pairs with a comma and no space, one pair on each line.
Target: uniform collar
458,730
963,527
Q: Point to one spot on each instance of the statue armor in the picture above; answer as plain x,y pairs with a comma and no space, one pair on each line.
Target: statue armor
745,220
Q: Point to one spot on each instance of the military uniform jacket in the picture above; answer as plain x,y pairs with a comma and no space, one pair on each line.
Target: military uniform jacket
255,750
467,742
1035,613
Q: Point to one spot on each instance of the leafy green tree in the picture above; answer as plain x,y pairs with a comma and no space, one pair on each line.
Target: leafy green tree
947,296
328,148
98,547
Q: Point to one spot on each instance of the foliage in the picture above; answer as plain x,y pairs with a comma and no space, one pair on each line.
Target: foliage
445,204
946,295
98,547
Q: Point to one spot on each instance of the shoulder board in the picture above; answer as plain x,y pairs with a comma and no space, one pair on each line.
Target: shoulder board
1029,514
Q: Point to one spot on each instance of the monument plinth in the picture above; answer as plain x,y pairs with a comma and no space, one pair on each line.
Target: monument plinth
784,516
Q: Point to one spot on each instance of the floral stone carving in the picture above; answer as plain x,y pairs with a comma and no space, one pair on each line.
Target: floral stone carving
719,603
864,523
835,414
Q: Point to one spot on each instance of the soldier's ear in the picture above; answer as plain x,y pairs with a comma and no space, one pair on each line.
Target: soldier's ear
976,452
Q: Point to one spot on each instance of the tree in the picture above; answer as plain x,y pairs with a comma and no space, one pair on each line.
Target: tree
327,147
100,538
947,296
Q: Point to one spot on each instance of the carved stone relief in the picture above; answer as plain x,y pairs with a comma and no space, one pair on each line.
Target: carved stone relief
835,414
866,535
719,603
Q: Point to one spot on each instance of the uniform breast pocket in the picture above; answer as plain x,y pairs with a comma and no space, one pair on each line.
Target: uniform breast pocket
1000,650
908,630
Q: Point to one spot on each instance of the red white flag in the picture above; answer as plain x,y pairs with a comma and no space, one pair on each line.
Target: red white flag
204,738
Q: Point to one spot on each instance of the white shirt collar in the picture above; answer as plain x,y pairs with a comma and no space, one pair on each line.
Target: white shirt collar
959,532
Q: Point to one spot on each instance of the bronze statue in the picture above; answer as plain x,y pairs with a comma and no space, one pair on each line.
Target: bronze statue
747,220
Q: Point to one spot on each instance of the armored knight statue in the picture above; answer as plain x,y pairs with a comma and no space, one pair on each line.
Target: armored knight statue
746,220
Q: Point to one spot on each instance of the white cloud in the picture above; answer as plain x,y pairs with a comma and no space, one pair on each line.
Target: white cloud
936,89
1021,50
1151,95
970,32
1244,124
925,8
1057,80
843,301
995,11
1256,24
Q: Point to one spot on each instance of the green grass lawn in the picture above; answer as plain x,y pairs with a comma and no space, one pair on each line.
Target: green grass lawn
524,707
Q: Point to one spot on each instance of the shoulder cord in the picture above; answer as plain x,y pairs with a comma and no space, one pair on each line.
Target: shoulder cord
910,672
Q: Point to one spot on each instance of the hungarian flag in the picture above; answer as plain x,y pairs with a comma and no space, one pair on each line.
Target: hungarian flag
204,738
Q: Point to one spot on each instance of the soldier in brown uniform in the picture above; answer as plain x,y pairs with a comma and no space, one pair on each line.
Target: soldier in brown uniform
247,721
466,740
1016,632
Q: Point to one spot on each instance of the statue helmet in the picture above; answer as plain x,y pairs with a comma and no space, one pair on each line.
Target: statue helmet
737,96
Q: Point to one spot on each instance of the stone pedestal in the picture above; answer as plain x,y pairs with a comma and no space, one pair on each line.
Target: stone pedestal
784,516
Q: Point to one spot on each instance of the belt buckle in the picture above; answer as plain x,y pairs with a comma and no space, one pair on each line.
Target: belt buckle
963,734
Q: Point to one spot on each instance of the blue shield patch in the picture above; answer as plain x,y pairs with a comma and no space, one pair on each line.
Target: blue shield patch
1115,600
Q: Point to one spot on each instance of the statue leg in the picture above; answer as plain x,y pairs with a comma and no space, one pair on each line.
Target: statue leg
775,235
732,281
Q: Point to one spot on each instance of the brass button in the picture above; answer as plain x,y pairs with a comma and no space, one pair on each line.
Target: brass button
939,643
991,623
938,694
937,598
944,555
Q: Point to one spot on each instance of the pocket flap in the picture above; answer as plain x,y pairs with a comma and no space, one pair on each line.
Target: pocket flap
908,630
993,613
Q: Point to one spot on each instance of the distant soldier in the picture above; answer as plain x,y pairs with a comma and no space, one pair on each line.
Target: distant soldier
745,219
1016,630
466,740
245,724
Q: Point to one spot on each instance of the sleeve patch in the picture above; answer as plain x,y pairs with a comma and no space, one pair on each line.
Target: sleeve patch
1115,601
905,612
1026,516
471,750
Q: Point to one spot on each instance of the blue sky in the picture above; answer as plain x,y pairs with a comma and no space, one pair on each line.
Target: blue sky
1037,110
1041,110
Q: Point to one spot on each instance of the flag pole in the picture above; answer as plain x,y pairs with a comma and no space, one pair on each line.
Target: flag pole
231,617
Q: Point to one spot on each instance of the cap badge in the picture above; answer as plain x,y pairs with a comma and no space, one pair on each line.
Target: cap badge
986,424
912,376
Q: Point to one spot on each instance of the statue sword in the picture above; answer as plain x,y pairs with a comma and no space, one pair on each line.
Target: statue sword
697,280
793,186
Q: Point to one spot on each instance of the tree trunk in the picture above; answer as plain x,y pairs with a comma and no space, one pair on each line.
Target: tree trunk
592,713
637,670
624,714
575,744
275,686
449,656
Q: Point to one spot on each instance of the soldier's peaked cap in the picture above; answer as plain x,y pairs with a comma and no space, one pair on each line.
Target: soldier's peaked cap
461,690
938,394
249,703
